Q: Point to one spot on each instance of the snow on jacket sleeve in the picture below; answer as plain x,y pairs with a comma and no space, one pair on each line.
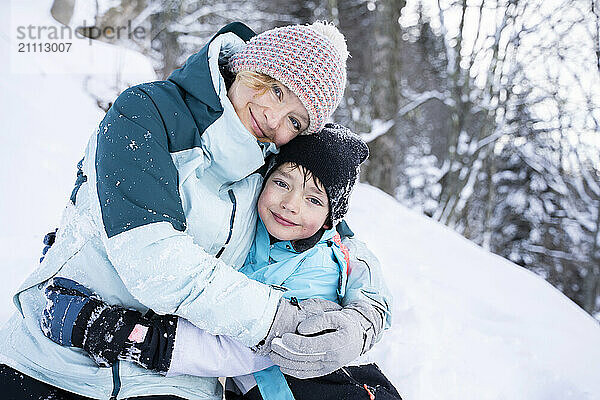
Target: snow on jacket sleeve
144,229
365,280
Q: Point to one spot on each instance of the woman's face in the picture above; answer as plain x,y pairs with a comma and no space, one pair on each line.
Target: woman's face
275,115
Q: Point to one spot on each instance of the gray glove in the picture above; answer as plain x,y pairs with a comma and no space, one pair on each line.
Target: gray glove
328,341
289,314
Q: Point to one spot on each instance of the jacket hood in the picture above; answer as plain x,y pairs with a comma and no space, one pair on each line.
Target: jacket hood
191,77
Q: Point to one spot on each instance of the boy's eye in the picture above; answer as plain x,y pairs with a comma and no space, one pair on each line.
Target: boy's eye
280,183
295,123
277,91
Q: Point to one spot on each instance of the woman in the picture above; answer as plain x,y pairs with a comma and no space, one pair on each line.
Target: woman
164,203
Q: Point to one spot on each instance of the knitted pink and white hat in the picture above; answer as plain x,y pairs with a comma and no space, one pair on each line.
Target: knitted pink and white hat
309,59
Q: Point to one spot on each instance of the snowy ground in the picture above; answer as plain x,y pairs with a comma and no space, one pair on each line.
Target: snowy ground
46,120
467,324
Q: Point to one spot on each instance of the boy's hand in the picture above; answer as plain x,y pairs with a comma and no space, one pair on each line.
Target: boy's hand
75,316
327,342
291,313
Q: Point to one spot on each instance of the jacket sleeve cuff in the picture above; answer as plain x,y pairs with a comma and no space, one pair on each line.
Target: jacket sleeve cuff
199,353
264,324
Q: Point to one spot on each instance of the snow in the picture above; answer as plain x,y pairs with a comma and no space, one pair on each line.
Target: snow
467,324
47,118
378,128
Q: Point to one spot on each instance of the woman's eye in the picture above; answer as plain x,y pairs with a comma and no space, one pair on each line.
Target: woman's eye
278,92
316,202
295,123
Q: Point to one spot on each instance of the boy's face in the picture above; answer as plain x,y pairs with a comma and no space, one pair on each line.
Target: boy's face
292,207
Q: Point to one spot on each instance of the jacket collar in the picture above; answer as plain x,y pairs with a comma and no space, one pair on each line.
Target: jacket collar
305,244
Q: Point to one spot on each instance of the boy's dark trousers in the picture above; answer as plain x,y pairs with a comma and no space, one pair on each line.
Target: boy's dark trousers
353,383
17,386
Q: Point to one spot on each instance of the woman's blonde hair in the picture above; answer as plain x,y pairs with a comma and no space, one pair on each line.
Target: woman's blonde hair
256,80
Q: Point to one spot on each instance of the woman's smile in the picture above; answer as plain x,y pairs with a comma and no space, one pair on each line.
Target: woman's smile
256,129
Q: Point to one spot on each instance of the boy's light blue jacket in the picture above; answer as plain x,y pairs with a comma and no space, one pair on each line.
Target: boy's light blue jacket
317,272
164,206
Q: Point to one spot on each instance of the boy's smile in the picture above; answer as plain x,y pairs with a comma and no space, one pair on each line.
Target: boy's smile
291,205
282,220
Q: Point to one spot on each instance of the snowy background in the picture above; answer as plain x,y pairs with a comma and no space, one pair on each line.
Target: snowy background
467,324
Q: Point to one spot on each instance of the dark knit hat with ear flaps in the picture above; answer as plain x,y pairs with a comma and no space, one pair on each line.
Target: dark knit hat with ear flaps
333,155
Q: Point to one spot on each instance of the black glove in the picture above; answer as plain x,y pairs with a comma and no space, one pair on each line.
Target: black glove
151,342
75,316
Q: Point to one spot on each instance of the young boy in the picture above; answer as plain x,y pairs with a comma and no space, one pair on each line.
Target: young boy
296,248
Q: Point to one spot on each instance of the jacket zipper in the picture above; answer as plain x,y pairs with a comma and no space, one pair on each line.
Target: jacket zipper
231,221
116,381
115,367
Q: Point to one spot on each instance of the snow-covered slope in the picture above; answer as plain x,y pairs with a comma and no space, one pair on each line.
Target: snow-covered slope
467,324
46,118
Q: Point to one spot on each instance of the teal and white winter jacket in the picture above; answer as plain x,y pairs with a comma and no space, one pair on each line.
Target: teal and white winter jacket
164,207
